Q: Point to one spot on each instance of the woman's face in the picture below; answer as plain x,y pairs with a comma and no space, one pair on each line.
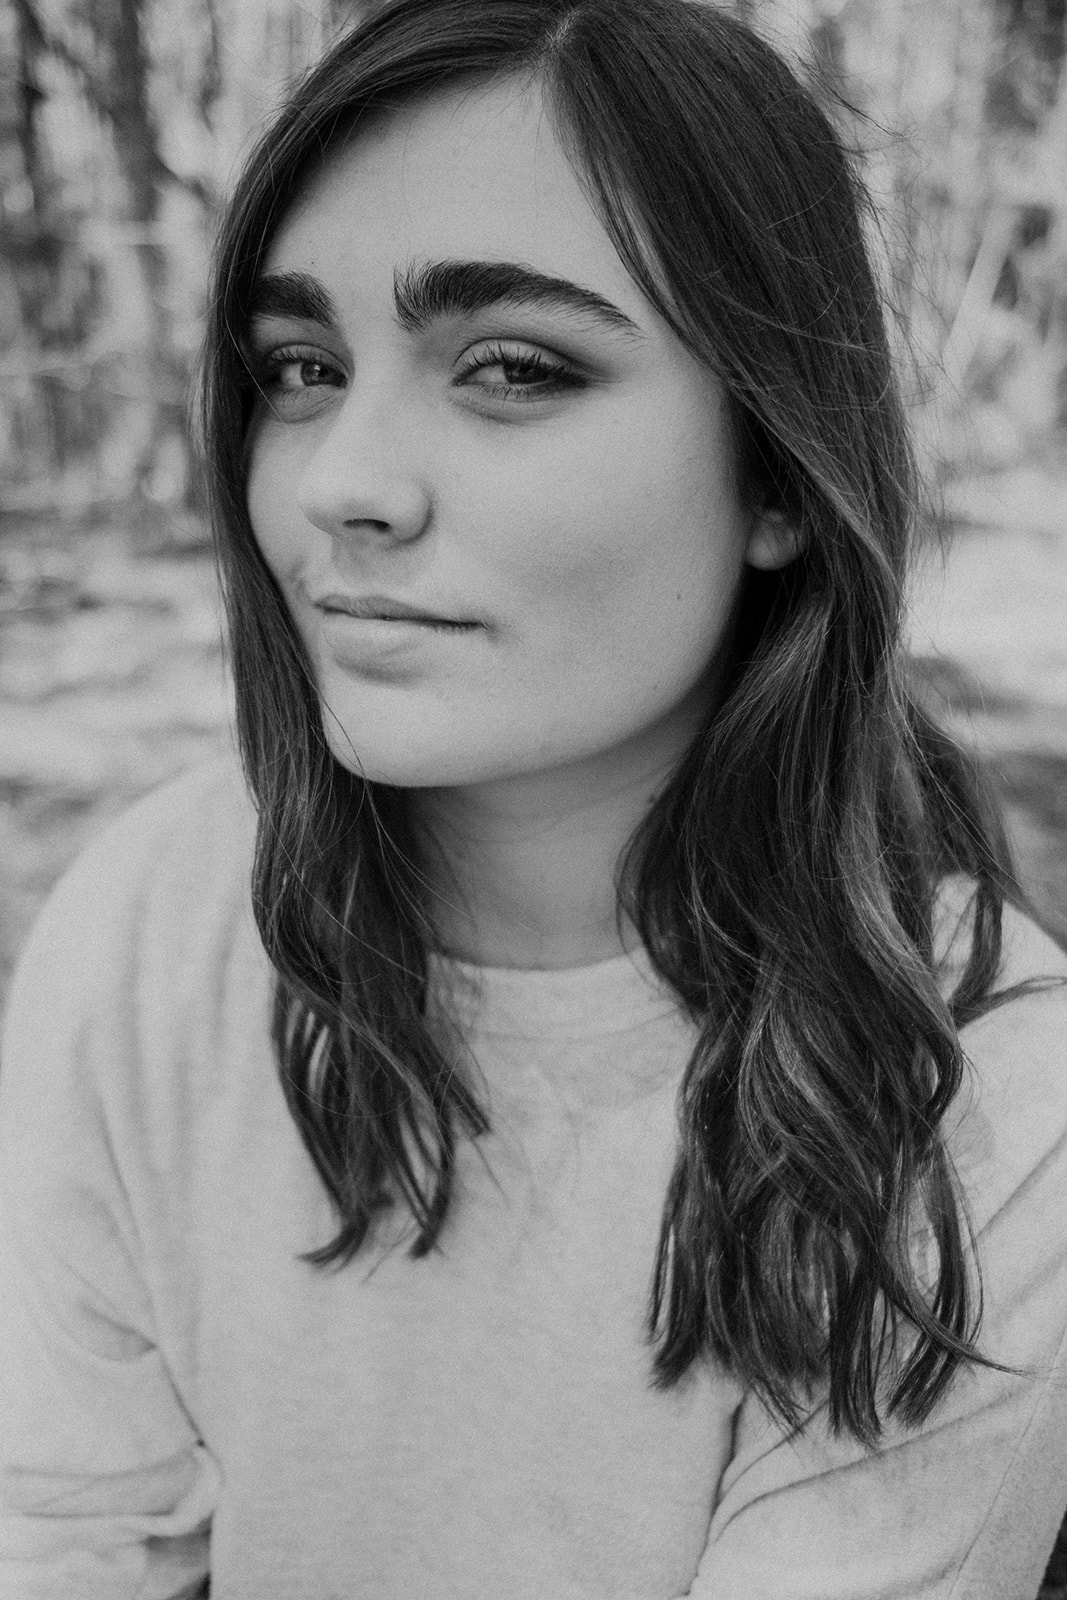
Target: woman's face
499,496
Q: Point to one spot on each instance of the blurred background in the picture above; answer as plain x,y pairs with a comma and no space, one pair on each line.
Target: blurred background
121,123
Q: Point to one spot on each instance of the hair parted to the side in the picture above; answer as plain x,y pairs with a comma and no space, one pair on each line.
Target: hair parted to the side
785,882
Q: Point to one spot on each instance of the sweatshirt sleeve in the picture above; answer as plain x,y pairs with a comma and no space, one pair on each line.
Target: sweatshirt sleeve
106,1491
966,1507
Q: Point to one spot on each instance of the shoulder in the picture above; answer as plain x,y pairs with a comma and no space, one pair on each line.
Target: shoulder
195,823
1028,951
137,990
1027,1012
191,829
1008,1130
146,891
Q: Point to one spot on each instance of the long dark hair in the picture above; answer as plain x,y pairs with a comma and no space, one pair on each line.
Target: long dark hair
785,882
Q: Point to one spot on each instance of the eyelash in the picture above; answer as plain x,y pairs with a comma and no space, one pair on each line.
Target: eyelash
545,376
550,375
266,372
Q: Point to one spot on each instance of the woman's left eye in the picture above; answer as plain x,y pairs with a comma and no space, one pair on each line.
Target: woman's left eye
506,371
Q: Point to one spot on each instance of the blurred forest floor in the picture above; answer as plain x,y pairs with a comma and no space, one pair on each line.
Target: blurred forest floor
112,675
112,678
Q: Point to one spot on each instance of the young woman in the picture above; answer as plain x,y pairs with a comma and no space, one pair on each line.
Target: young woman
527,1150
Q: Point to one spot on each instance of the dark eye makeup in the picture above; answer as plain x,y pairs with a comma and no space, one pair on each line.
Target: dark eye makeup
296,379
525,372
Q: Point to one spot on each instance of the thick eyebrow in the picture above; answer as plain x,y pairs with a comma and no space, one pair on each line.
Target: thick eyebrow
292,294
462,288
441,289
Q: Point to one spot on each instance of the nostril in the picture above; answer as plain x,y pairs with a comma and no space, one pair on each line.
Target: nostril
355,502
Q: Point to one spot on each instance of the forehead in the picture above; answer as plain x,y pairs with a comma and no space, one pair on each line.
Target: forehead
471,172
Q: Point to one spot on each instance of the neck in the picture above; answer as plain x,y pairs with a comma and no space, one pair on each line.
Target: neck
524,870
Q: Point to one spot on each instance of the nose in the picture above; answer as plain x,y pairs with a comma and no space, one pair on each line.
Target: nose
364,475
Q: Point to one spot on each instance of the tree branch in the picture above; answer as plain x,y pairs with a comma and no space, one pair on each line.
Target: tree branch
105,102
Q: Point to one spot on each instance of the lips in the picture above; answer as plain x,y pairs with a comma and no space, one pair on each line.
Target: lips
381,608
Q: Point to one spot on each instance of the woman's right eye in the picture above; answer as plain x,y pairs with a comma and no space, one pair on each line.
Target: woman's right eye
294,380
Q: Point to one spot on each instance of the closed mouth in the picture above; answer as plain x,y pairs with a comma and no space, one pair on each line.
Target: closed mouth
377,608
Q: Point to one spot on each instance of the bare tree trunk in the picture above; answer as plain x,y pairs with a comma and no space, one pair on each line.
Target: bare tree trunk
967,167
136,138
52,293
153,383
211,77
342,14
27,101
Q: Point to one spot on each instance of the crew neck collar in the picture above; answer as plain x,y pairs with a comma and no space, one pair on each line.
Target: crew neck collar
612,996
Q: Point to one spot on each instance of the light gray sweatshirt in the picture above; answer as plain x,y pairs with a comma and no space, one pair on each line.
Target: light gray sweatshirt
181,1393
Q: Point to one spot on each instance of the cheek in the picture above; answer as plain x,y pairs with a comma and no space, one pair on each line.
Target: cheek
641,541
278,459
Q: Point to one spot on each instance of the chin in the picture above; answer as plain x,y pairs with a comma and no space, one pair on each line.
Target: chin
409,760
421,765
